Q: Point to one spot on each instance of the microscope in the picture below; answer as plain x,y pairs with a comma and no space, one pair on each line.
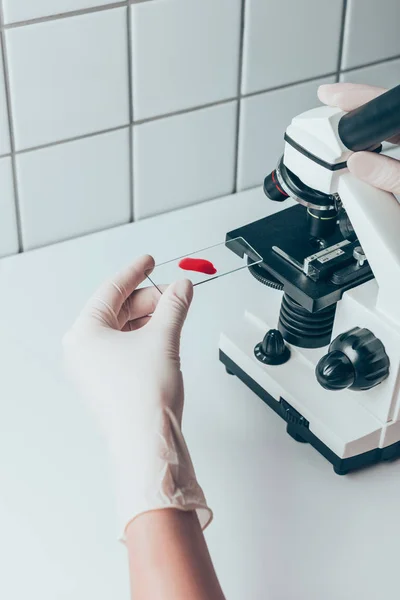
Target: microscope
326,356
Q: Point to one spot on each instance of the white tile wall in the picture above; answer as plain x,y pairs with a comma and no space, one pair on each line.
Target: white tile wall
82,73
184,159
4,130
22,10
68,77
288,40
371,31
185,54
263,120
74,188
385,74
8,224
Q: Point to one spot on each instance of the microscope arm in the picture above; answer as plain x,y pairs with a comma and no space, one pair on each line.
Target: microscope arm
375,216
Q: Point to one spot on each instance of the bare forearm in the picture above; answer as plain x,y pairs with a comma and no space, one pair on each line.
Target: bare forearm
169,559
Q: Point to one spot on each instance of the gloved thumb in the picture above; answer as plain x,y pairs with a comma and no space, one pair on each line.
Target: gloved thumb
172,309
380,171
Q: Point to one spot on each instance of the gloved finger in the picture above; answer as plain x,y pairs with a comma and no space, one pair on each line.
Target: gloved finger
140,303
171,312
348,96
380,171
104,306
136,324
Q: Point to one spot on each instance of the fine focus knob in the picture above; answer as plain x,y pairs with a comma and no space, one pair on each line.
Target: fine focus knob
356,360
335,371
272,350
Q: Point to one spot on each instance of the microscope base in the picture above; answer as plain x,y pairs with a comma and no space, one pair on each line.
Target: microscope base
297,427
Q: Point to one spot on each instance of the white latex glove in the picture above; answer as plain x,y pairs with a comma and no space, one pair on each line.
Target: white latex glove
380,171
127,366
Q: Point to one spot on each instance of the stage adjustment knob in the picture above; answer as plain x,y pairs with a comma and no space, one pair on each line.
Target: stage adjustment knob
356,360
272,350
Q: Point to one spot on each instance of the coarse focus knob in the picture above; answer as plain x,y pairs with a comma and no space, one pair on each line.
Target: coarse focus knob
356,360
272,350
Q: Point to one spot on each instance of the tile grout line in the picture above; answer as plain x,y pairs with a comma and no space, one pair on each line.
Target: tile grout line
72,13
341,39
130,97
72,139
288,85
12,138
239,90
184,110
371,64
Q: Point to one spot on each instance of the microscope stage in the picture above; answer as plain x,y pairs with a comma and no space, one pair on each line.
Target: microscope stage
289,231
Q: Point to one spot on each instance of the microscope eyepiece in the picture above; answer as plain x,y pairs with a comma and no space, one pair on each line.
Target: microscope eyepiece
272,189
367,126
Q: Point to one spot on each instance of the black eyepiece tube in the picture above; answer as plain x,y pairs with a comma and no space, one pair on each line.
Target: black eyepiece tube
367,126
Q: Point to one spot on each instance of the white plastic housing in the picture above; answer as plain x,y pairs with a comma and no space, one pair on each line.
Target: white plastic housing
348,422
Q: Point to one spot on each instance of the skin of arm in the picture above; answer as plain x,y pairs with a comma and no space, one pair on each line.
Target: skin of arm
169,558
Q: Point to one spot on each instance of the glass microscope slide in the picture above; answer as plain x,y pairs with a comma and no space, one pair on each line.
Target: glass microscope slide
206,264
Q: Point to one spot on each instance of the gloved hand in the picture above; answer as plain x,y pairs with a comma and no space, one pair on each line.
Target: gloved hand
126,364
380,171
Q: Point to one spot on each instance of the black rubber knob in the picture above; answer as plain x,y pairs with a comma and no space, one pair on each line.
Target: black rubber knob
335,371
356,360
272,350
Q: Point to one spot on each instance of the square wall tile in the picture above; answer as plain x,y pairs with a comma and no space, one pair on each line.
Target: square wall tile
23,10
384,75
287,41
68,77
4,129
263,122
371,32
185,54
74,188
8,223
184,159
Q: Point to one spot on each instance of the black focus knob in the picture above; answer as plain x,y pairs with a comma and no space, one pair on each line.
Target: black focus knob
356,360
272,350
335,371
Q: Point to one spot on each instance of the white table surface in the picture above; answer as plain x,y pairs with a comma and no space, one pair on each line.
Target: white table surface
285,526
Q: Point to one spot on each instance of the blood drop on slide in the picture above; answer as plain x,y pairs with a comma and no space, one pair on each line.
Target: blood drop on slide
201,265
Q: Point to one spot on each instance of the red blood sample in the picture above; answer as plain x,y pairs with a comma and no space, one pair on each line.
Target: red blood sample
201,265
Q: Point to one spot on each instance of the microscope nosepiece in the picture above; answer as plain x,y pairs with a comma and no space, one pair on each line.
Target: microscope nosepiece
272,189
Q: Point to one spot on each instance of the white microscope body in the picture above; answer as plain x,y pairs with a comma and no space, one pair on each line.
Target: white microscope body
350,427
